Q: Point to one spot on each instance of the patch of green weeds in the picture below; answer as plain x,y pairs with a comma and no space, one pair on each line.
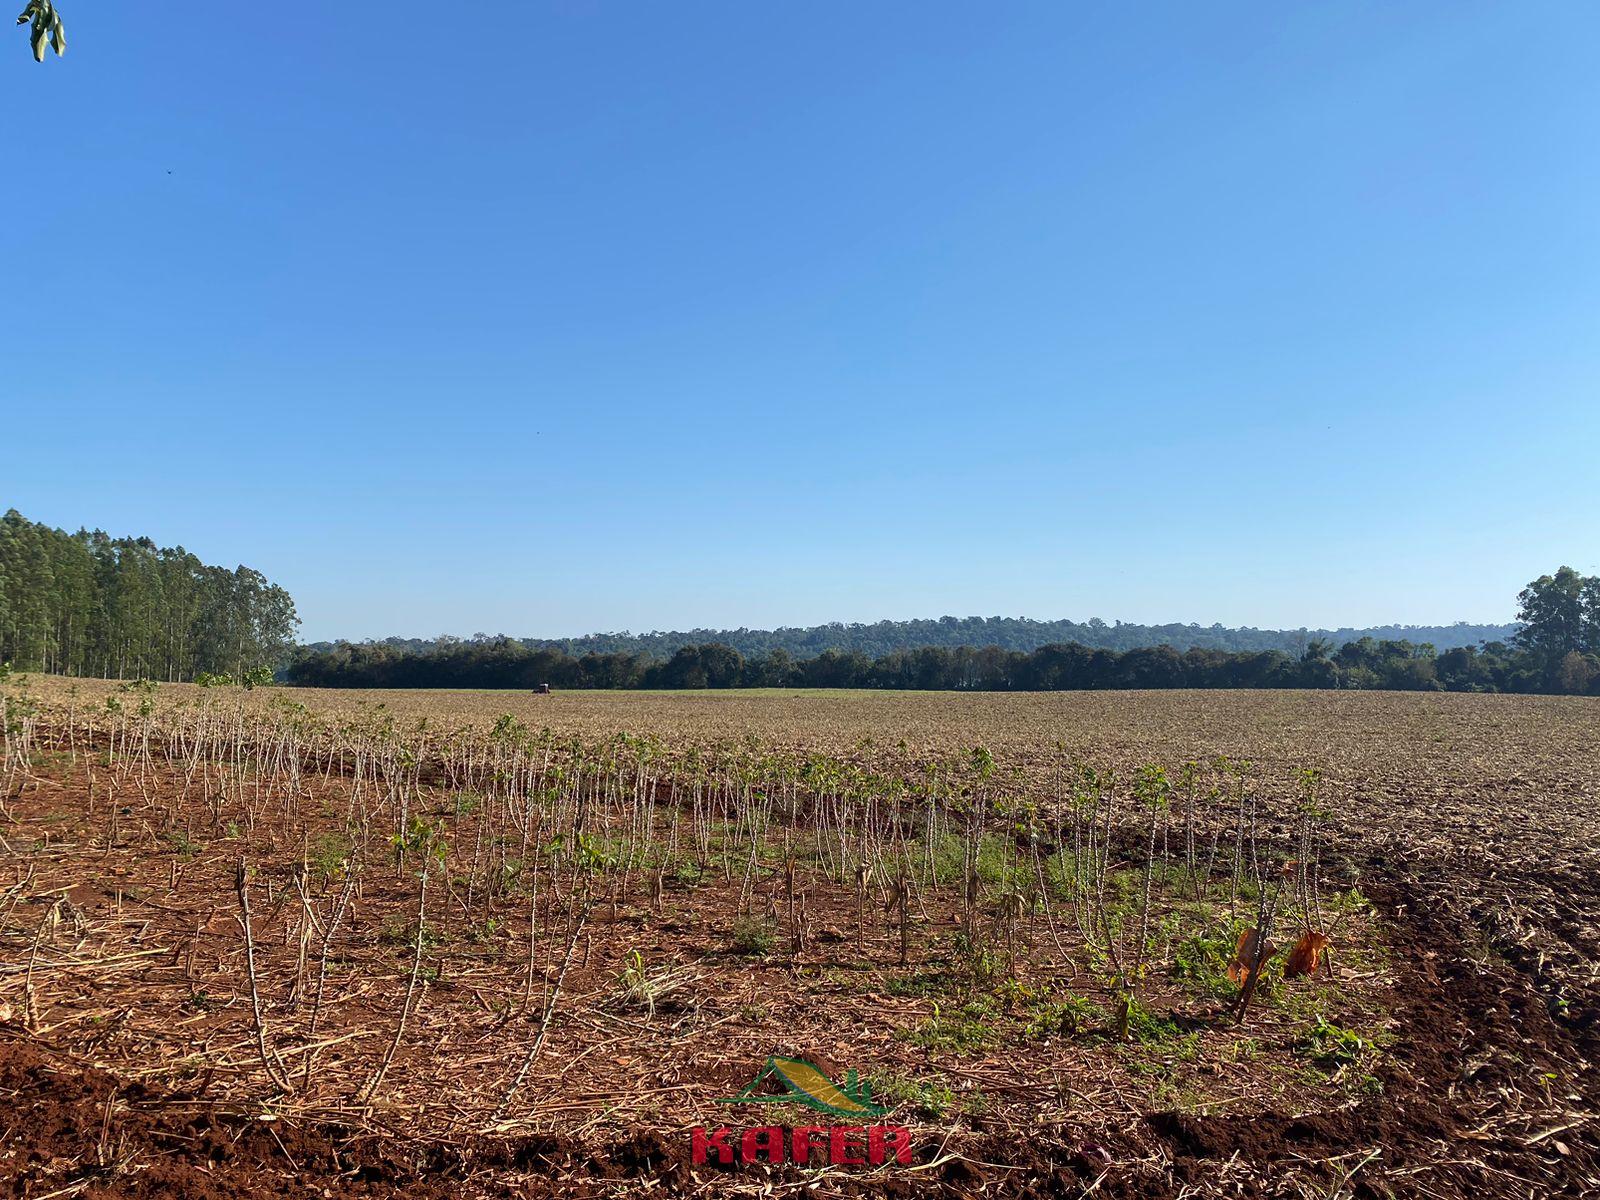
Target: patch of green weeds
1068,1015
921,983
970,1028
997,864
1201,962
983,963
327,854
397,931
754,936
1332,1047
929,1099
689,873
1148,1028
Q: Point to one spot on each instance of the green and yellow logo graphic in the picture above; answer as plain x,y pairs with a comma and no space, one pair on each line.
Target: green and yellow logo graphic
804,1084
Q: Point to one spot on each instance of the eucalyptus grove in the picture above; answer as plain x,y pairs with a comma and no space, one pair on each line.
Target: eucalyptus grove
90,604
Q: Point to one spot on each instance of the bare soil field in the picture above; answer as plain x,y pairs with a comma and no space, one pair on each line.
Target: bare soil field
295,942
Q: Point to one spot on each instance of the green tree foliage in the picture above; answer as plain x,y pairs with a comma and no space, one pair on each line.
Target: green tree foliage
1560,613
1560,632
1552,657
1577,674
89,604
506,662
1006,633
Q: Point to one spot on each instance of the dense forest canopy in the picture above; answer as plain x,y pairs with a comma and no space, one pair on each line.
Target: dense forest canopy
1007,633
1556,649
1366,663
89,604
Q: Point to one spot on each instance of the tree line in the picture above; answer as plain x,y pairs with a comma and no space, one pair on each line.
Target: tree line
1007,633
1556,649
86,603
507,663
89,604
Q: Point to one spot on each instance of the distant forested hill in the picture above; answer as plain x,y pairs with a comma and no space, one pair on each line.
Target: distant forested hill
1008,633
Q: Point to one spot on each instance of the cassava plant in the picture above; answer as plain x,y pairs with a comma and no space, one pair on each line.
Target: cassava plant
425,843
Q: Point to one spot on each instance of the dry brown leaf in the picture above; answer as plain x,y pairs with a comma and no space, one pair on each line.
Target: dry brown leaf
1244,956
1306,956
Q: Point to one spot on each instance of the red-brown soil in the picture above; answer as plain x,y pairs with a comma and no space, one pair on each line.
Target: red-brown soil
1485,913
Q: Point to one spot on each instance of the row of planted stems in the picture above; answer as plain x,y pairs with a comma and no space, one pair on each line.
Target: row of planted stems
484,823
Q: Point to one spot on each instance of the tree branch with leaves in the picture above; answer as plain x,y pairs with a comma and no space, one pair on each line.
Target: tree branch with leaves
47,28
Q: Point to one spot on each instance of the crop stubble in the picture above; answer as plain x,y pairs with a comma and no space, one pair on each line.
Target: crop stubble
1466,818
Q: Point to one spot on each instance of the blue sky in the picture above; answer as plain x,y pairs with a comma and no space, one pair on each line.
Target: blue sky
571,316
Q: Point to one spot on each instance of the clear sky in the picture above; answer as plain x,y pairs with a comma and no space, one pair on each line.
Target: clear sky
547,318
